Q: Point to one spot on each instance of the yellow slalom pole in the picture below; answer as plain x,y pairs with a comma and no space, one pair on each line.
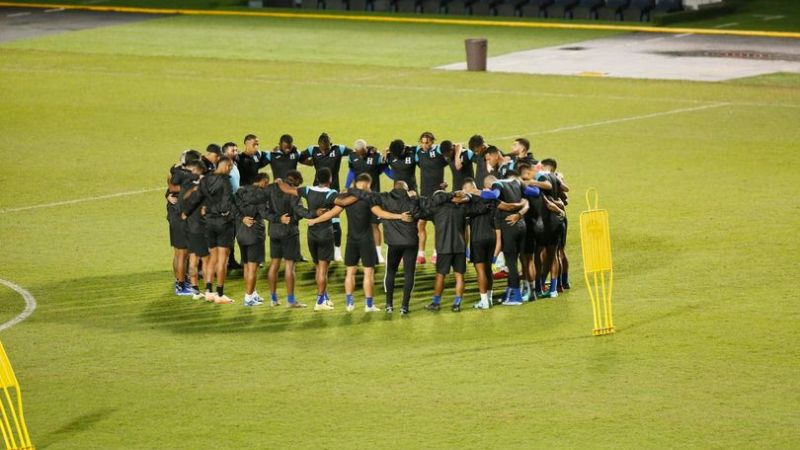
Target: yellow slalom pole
14,429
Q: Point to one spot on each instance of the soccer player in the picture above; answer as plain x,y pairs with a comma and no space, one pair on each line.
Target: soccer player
431,163
284,237
461,162
563,261
367,159
319,199
251,160
359,205
196,233
327,155
213,153
478,146
180,177
529,255
482,243
552,216
216,197
231,150
402,160
402,239
251,204
284,157
509,190
449,216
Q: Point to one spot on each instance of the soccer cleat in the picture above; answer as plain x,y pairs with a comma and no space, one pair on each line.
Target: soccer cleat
560,288
295,305
210,296
513,302
548,294
275,303
251,301
421,259
322,307
223,300
433,259
350,307
456,308
526,296
481,305
185,291
372,308
433,307
198,296
389,310
258,298
404,311
329,303
566,285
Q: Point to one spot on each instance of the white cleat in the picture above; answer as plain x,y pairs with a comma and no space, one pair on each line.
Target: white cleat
211,296
329,303
372,308
223,300
351,307
198,296
481,305
322,307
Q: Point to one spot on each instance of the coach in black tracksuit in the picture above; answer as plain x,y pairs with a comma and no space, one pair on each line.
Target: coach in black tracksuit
510,191
402,239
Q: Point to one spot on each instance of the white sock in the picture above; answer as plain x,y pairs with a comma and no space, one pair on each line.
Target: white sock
378,249
421,253
485,297
489,295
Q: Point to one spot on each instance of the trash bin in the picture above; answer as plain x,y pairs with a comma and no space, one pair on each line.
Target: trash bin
476,54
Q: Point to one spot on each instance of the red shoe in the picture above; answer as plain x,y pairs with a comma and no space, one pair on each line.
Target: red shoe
421,260
433,259
500,275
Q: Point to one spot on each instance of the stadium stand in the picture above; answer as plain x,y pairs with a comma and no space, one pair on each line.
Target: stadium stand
619,10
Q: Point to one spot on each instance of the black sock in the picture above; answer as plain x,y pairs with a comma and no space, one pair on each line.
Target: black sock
209,287
220,290
195,287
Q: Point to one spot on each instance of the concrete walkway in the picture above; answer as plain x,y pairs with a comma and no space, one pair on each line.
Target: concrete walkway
23,23
643,55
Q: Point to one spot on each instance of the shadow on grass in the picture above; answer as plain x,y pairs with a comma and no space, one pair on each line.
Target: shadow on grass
75,426
146,301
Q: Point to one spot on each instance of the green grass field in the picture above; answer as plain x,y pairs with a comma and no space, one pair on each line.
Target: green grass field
702,196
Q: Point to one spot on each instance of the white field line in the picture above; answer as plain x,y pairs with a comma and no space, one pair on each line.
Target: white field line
678,36
79,200
53,10
336,82
726,25
620,120
400,87
19,14
30,305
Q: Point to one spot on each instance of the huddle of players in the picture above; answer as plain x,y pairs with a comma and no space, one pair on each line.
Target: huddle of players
511,205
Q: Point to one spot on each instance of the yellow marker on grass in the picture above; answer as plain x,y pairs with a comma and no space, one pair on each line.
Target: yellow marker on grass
15,432
597,266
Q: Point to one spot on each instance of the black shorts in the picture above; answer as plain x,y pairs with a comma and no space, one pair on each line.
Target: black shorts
287,248
177,234
513,239
529,247
253,253
375,220
321,250
219,233
547,239
458,261
481,251
198,244
363,250
562,240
